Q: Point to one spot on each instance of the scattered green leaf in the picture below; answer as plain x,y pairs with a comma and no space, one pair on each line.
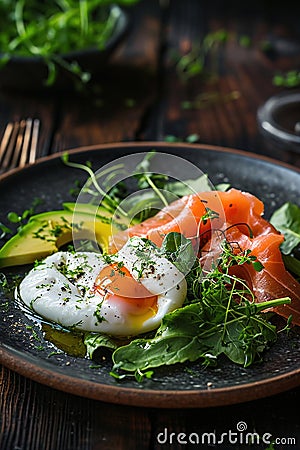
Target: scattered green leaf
289,79
222,318
179,250
96,341
286,219
245,41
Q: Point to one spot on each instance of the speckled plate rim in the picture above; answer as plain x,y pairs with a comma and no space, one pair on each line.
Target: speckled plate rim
175,399
150,397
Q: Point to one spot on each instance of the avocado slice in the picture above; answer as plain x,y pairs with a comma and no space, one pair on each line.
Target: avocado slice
87,208
97,210
45,233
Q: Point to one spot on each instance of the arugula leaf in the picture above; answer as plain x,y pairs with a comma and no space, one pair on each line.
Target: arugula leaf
222,318
179,250
286,219
191,186
94,341
186,334
292,264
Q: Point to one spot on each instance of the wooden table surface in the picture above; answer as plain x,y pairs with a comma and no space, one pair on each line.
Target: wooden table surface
145,97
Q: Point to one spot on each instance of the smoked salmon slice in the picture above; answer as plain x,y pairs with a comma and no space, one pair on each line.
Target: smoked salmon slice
273,281
190,214
182,215
239,217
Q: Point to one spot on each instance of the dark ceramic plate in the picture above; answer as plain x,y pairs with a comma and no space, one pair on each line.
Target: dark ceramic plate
178,386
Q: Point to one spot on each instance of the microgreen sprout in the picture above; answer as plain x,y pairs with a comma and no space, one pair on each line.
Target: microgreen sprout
21,219
51,30
110,202
4,230
220,317
289,79
193,63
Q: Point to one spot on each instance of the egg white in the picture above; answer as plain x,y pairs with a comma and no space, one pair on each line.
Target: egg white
61,289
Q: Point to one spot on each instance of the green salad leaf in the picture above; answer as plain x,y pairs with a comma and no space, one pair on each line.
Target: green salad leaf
220,318
240,332
95,341
286,219
292,264
201,184
179,250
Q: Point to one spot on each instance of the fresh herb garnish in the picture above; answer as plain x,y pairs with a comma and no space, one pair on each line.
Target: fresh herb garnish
179,251
145,178
109,201
286,219
4,230
157,190
4,284
289,79
138,374
22,218
222,318
49,30
193,63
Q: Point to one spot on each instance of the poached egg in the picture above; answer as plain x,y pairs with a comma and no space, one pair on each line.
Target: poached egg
124,294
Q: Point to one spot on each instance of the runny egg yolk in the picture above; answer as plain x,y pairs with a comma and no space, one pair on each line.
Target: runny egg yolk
116,284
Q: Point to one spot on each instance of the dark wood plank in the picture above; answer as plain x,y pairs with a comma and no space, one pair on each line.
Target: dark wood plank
114,108
111,425
223,100
50,419
35,416
18,105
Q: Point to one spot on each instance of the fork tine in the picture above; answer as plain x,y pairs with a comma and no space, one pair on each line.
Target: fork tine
34,141
10,146
19,144
26,141
5,139
18,148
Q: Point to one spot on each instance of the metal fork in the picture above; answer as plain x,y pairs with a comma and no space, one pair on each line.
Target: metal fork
19,144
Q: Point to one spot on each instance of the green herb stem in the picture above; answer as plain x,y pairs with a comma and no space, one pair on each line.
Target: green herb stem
156,190
272,303
94,180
